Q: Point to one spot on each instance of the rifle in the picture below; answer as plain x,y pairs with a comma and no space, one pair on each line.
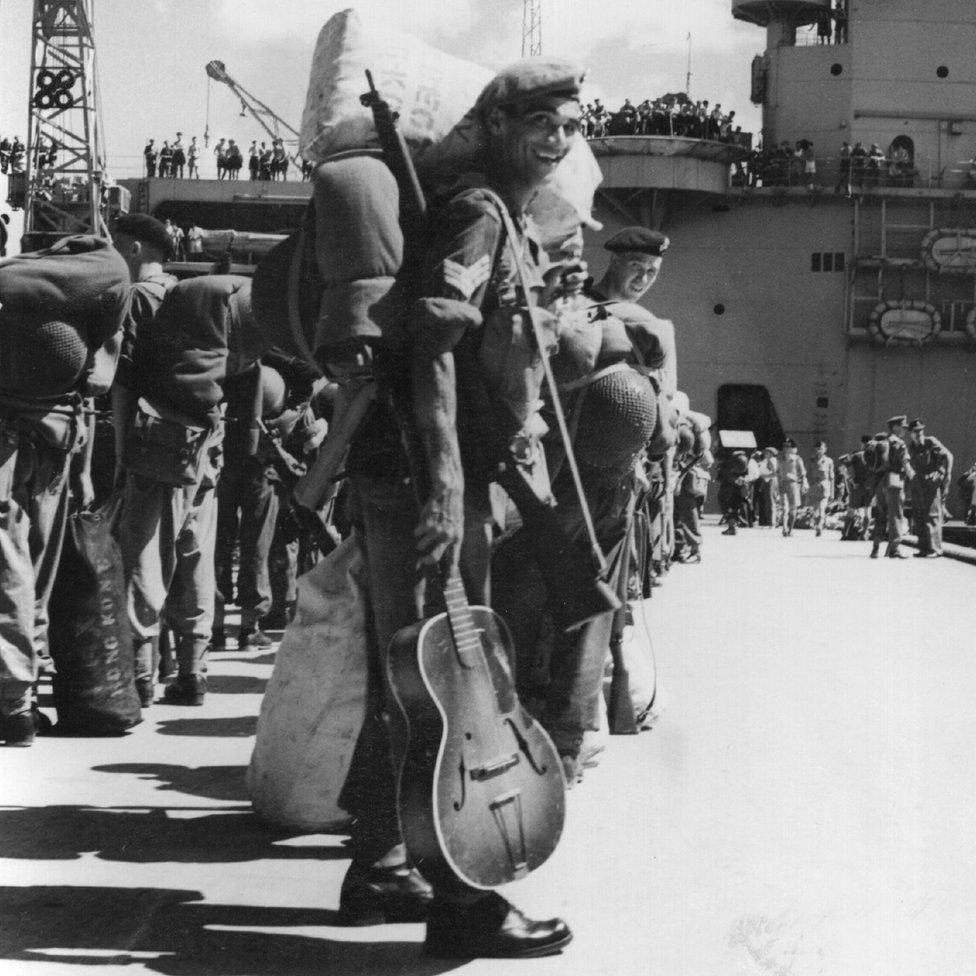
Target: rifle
291,471
413,204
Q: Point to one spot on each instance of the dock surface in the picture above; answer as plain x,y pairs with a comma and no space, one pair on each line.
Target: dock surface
804,806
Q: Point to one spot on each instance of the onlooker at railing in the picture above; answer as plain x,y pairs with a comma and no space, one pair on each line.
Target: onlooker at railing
150,155
179,158
844,169
859,157
165,160
220,152
253,160
192,154
875,162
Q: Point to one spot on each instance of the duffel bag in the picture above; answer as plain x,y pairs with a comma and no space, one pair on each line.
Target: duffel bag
94,687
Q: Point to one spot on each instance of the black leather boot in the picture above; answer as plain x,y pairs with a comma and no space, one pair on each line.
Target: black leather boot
374,895
490,928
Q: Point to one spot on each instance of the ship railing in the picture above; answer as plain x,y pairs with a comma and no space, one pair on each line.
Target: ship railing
914,174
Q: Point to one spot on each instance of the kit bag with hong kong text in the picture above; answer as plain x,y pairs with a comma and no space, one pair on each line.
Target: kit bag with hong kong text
93,684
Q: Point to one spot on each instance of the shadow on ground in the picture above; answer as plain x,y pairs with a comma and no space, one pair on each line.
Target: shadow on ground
144,835
237,726
212,782
236,684
87,926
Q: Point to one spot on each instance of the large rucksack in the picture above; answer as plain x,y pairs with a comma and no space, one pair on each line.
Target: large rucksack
56,306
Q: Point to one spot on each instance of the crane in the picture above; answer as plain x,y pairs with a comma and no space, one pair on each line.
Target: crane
64,188
531,28
270,121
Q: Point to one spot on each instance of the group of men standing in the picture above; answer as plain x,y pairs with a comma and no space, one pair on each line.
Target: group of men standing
899,464
464,381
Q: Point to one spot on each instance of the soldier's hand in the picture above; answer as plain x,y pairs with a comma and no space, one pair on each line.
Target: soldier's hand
441,526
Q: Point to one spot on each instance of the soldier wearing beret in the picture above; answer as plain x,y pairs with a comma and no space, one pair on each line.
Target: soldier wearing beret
472,359
636,257
932,464
893,468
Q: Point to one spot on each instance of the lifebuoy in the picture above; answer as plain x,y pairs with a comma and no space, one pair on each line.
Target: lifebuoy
971,324
907,322
950,250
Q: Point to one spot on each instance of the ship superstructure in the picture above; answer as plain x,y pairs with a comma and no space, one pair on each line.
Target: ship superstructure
800,307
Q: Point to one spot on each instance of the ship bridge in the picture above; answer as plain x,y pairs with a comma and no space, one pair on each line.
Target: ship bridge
641,173
799,13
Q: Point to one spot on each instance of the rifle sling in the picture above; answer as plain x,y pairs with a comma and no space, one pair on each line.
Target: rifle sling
511,239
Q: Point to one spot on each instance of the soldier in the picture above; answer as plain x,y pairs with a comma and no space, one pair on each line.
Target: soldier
859,492
821,474
792,476
892,468
636,258
469,333
247,504
144,245
172,457
931,463
60,329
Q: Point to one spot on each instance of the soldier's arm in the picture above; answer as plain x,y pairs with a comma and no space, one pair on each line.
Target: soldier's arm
456,270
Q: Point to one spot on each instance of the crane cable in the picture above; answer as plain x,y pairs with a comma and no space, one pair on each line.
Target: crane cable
206,128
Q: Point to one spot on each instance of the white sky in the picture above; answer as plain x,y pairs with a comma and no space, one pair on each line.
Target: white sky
152,55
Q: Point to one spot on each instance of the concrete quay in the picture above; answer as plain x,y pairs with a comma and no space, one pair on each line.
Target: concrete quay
804,806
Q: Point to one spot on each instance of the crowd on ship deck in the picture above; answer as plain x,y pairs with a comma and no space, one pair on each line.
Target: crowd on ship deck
673,114
855,166
176,160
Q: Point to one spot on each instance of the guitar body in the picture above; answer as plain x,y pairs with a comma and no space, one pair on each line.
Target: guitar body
480,786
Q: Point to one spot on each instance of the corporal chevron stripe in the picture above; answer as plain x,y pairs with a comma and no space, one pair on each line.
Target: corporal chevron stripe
466,280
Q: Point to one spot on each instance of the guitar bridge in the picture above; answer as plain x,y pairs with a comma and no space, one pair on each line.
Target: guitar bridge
506,810
494,767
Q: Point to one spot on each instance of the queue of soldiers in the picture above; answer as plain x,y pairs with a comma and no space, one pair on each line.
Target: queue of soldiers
897,470
199,405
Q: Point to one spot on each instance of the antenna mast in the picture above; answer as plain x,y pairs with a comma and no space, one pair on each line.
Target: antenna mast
688,75
531,28
62,187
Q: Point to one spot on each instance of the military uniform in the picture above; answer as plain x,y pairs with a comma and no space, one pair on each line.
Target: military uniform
471,305
168,529
60,328
930,462
892,470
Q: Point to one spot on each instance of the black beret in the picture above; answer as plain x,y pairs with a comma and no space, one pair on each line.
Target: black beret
640,239
899,419
530,79
147,229
917,424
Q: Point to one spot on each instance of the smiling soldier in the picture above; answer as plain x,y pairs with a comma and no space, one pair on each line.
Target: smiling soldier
476,389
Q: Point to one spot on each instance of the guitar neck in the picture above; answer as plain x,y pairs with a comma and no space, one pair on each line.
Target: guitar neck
467,638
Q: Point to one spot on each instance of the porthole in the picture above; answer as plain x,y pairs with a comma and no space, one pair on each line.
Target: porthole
942,71
836,68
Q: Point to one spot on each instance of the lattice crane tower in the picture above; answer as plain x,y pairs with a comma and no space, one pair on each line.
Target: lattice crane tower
65,173
531,28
